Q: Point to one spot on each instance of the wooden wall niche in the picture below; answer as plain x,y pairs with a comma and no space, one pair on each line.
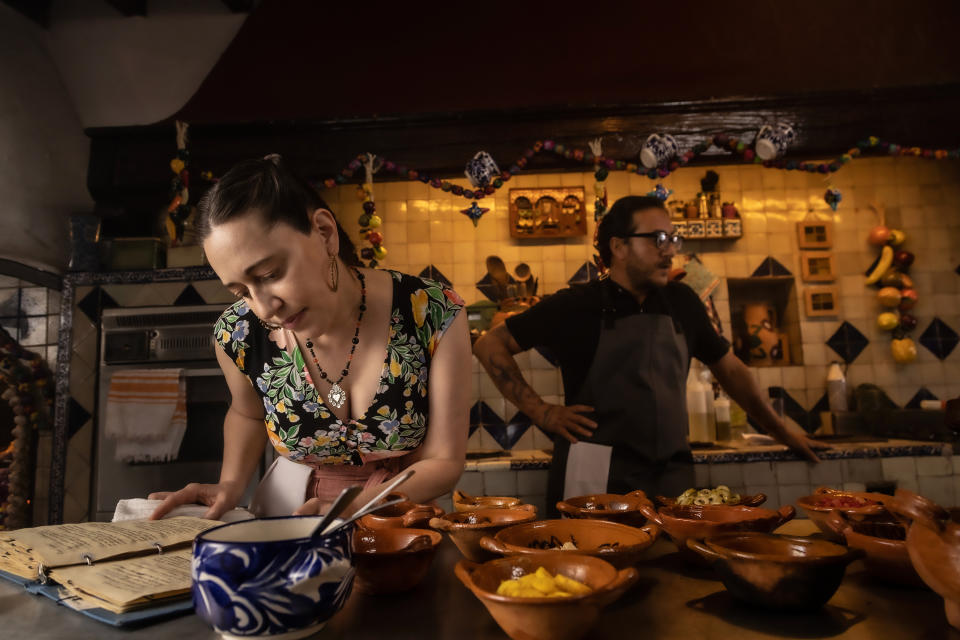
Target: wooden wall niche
817,266
548,212
778,294
815,234
821,301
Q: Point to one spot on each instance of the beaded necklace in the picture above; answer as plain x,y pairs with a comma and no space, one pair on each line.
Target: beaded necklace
337,396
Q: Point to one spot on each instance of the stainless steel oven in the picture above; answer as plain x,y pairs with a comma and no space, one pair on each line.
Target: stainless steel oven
159,337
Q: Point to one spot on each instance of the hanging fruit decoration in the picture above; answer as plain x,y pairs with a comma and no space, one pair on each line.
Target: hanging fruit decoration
896,295
370,222
179,210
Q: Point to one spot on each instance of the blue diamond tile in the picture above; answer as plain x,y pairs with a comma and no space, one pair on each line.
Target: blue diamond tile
433,273
585,273
848,342
507,435
77,416
481,415
939,338
770,267
189,297
922,394
809,420
491,288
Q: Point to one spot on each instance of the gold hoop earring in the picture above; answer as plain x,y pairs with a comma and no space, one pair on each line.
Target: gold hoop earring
334,273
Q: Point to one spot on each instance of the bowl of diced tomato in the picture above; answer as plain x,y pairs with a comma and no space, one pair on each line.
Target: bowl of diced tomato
855,505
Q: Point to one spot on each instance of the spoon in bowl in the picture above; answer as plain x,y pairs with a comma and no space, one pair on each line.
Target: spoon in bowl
372,505
342,502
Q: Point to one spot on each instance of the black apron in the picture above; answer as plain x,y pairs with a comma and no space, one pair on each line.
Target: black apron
637,387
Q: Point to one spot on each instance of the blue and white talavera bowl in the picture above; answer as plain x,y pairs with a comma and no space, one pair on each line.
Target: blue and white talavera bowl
266,578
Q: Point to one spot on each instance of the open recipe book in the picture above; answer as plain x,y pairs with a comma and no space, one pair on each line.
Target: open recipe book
120,567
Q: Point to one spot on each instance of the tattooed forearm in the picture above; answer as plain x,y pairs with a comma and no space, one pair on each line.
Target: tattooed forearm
493,352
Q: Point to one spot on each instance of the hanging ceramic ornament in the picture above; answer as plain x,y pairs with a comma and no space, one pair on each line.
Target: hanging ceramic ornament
481,170
833,197
474,212
660,192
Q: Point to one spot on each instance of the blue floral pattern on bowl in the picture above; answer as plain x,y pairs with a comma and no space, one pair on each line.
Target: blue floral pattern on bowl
277,585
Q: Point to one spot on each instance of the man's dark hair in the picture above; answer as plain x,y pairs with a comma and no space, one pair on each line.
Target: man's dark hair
618,221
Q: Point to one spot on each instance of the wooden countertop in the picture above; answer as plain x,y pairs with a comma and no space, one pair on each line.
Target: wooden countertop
672,600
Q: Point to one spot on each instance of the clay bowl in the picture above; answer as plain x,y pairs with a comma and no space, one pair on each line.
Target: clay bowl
933,542
546,618
624,509
466,528
618,544
698,522
885,546
392,560
403,514
875,509
788,573
466,502
745,501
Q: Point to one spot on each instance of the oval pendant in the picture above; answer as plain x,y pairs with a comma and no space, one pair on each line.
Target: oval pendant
337,396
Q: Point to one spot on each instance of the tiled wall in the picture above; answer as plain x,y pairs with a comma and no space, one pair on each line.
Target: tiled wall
31,315
423,226
936,477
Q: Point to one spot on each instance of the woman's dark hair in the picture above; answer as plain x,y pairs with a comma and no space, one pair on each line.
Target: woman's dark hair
618,221
268,187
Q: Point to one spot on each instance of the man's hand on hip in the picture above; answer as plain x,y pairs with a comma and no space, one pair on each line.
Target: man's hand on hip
566,422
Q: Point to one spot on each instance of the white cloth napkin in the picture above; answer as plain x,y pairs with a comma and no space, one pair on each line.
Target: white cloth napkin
141,508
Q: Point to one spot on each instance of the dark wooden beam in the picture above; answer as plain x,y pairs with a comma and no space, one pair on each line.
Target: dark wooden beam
129,8
36,10
129,170
240,6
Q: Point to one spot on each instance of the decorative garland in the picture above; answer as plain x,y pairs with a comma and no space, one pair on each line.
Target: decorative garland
29,391
600,163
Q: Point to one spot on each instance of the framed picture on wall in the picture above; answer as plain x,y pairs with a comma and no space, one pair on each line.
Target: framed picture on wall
817,266
821,301
815,234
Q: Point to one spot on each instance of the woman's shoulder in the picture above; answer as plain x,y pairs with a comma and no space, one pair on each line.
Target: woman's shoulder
235,329
417,287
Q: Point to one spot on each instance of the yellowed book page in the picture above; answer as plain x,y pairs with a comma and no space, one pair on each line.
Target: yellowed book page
124,582
68,544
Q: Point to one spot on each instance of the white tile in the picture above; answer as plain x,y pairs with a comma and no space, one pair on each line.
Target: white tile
701,474
532,482
854,486
826,473
471,482
730,474
862,470
757,473
934,466
789,493
792,472
500,483
938,489
899,467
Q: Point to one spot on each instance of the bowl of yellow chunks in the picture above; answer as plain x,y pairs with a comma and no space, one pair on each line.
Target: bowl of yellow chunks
721,494
546,596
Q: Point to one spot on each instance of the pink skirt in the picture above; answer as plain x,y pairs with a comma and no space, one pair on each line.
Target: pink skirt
327,481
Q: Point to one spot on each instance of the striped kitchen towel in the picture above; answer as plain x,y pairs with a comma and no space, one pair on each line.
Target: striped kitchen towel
147,414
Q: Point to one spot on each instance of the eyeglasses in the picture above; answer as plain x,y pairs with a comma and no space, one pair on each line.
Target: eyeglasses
660,238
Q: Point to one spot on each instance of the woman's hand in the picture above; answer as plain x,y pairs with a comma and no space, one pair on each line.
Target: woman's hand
312,507
219,497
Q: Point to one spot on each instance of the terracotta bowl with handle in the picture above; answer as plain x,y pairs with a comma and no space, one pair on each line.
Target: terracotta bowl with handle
403,514
619,544
754,500
933,542
566,618
466,528
885,546
682,522
465,502
872,507
624,509
789,573
392,560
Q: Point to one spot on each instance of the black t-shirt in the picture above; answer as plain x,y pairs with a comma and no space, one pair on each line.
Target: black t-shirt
568,324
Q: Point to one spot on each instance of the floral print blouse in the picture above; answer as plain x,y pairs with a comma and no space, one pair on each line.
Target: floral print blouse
298,423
